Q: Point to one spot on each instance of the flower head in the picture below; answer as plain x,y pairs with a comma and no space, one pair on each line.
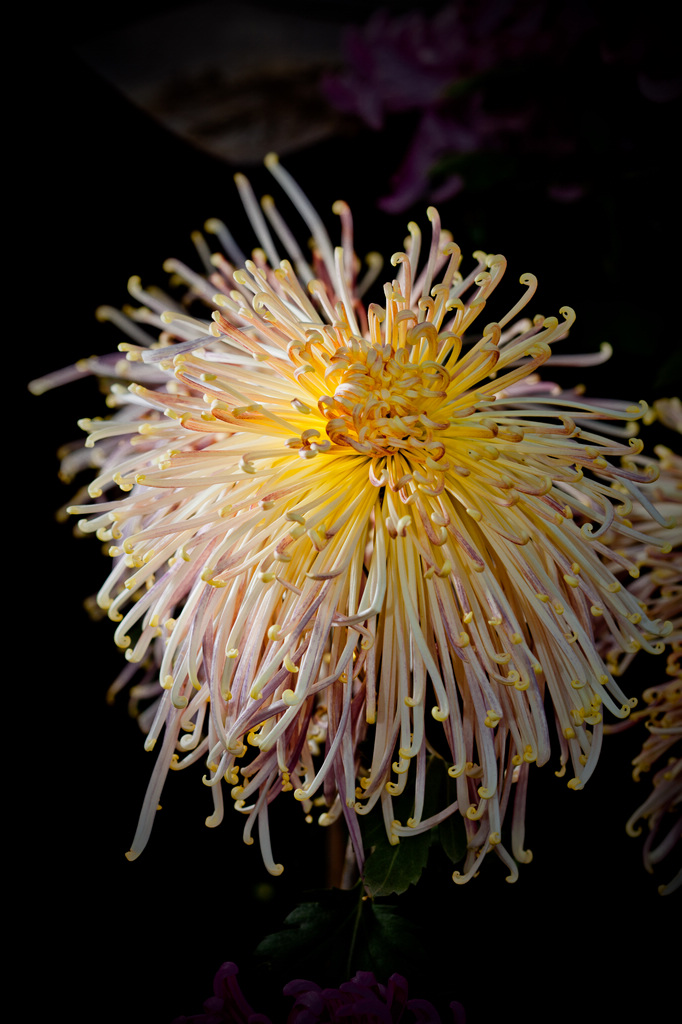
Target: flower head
662,809
657,584
346,536
362,999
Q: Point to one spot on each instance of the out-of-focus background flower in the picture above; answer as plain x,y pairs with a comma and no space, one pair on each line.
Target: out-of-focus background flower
545,132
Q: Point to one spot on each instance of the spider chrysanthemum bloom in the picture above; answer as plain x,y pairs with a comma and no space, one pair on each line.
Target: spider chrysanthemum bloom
662,809
657,585
649,563
347,534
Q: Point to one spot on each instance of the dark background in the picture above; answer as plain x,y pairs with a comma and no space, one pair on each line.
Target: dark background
583,934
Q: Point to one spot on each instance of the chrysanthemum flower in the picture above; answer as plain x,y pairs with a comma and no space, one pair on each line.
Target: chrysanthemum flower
362,999
347,535
650,562
662,809
657,585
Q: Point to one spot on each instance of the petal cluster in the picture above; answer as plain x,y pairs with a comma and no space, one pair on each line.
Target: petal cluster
362,999
657,584
349,537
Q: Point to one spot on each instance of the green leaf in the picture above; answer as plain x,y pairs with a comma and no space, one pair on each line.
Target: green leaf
481,171
330,939
452,838
463,86
669,370
320,932
389,942
393,869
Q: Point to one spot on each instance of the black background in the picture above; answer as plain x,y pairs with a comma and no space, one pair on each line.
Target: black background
583,935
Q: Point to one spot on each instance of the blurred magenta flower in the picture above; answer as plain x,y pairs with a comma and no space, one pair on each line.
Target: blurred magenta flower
362,1000
528,88
440,65
411,61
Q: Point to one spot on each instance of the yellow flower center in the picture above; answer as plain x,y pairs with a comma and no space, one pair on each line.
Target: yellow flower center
381,401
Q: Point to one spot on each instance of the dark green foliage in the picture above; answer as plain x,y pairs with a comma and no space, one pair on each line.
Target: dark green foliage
339,933
392,869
